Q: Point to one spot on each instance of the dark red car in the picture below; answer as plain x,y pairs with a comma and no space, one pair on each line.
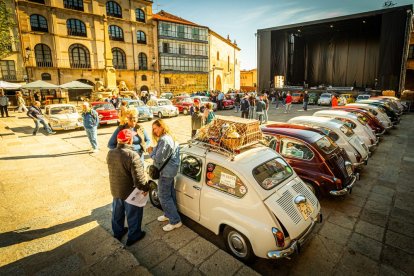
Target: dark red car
321,164
228,103
183,103
107,113
367,116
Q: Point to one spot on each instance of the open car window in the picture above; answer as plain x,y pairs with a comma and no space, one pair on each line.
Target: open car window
271,173
294,149
346,130
326,145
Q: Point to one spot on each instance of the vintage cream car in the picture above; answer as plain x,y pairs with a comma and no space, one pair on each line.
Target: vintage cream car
162,108
63,117
254,199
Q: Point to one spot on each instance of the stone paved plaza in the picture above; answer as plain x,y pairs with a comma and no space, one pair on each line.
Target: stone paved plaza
55,214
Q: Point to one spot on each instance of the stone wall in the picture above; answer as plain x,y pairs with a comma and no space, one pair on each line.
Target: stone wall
183,83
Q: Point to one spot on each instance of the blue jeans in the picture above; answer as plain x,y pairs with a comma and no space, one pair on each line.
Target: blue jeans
237,107
92,134
251,112
168,199
134,219
45,126
305,106
265,117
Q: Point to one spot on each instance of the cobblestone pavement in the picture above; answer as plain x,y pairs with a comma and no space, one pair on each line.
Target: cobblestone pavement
55,214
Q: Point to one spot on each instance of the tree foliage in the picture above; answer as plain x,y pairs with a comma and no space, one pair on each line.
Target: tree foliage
7,24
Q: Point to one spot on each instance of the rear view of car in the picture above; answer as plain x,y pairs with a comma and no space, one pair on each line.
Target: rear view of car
106,112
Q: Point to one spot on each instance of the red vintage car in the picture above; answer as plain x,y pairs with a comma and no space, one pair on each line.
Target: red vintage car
297,97
367,116
107,112
228,102
183,103
321,164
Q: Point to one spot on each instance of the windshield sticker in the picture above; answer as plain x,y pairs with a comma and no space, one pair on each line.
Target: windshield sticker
228,180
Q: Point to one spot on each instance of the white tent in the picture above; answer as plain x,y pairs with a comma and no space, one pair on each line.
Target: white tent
76,85
9,85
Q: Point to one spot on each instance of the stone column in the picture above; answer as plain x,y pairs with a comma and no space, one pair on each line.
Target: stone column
109,73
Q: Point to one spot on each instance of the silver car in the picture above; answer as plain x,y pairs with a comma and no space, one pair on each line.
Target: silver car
325,99
162,108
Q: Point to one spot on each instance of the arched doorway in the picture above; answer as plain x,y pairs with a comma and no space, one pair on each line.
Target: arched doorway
218,83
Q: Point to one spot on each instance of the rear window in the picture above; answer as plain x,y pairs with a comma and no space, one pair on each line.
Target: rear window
331,134
347,130
62,110
326,145
295,94
107,106
272,173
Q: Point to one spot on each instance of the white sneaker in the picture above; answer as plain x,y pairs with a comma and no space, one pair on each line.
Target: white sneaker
170,227
162,218
95,150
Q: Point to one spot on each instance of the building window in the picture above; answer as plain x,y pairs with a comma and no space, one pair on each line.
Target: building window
141,38
196,34
116,33
184,64
181,49
143,77
38,23
79,56
165,47
76,27
140,15
43,56
8,69
113,9
73,4
218,55
38,1
118,59
46,76
411,52
142,61
167,81
178,47
180,31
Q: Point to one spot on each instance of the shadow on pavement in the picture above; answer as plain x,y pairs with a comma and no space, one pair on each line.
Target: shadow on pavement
79,152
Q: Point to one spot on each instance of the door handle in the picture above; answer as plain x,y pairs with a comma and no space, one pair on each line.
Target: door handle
197,187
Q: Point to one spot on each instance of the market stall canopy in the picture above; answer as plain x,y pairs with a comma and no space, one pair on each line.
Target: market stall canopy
9,85
76,85
39,85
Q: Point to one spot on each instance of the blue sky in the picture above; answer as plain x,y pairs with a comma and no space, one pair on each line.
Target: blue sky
241,19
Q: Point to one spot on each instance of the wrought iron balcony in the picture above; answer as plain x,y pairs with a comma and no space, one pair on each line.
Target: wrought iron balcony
73,32
42,63
40,29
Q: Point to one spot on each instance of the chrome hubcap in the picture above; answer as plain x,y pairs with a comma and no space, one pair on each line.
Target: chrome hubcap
237,244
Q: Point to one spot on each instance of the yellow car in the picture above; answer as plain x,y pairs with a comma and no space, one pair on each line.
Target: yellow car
349,98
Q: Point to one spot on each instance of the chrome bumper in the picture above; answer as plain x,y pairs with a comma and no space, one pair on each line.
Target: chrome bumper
347,189
295,244
381,133
373,146
360,164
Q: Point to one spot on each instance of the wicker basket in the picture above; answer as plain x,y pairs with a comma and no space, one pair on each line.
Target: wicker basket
232,143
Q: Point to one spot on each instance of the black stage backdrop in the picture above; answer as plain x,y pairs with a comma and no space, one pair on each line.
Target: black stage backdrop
349,51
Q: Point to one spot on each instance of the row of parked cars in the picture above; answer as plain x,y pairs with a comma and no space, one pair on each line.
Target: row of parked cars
263,199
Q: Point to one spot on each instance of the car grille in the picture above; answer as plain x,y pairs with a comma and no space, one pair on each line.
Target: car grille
286,202
341,164
300,189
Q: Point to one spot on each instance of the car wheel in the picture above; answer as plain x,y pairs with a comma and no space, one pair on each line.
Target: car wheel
149,119
153,195
238,244
185,111
160,115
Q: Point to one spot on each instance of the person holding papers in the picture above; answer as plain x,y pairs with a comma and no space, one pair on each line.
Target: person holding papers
126,172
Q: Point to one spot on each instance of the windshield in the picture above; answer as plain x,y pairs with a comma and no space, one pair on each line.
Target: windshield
331,134
295,94
62,110
165,102
325,96
346,130
362,119
204,100
135,103
106,106
326,145
272,173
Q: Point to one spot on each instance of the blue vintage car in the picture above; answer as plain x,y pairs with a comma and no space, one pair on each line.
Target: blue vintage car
143,110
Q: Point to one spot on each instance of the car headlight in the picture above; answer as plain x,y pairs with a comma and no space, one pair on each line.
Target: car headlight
54,121
100,116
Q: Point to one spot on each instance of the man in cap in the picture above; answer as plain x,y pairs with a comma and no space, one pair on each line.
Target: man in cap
90,123
126,172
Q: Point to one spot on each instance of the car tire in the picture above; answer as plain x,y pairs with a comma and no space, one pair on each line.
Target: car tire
153,195
185,111
238,244
149,119
160,115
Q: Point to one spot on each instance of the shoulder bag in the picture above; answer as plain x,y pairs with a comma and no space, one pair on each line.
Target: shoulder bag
154,172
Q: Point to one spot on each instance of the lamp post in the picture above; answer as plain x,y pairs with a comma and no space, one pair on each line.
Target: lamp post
26,59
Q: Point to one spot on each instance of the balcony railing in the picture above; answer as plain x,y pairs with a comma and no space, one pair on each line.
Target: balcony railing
116,38
41,63
80,65
120,66
76,32
113,14
40,29
9,77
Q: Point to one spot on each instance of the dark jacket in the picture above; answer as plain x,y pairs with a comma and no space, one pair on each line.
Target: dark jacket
244,105
260,106
126,171
306,97
196,120
35,112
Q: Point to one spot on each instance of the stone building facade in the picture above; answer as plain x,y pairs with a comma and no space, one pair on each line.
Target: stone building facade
248,80
92,41
224,63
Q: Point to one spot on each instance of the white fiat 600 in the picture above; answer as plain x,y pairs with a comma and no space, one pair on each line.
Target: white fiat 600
253,199
63,116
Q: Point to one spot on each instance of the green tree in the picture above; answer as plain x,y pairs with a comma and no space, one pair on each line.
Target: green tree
7,24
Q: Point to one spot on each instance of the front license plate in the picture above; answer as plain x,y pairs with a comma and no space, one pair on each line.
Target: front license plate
112,121
305,209
69,127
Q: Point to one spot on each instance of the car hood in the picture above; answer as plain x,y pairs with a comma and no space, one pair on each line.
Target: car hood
143,109
282,204
71,116
359,145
